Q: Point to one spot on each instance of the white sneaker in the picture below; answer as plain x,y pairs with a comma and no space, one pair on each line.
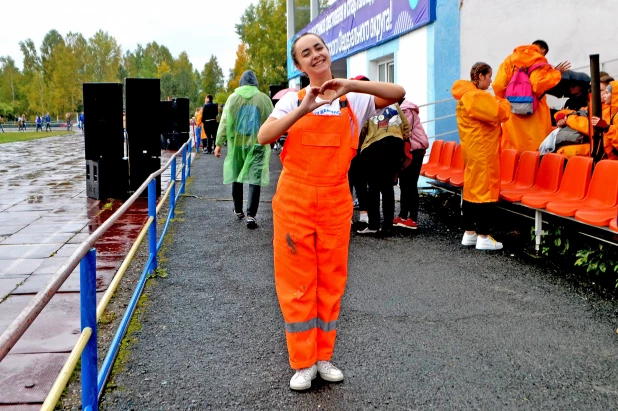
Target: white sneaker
328,372
469,239
366,230
303,377
487,243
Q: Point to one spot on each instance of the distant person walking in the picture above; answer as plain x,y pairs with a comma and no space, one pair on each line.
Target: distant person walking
23,122
1,121
68,118
39,123
209,121
247,160
47,122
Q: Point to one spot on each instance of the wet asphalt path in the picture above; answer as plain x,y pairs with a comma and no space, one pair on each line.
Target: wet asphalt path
425,324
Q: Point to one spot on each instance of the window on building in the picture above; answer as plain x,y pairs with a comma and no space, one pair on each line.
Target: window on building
386,71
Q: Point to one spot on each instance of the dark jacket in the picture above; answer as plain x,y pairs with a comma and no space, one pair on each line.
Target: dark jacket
210,111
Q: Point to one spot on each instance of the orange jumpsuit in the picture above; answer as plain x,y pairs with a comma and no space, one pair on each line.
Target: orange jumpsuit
312,212
479,115
521,132
578,123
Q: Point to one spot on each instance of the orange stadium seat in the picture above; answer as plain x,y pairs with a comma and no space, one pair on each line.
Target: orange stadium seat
603,192
508,165
547,180
526,171
597,216
613,225
434,155
446,159
457,166
574,185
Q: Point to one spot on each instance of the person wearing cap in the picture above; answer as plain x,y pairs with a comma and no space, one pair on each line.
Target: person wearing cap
247,161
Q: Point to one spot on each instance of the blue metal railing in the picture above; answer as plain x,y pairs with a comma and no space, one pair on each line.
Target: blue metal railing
93,380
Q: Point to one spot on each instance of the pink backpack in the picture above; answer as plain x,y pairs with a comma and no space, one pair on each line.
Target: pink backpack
519,91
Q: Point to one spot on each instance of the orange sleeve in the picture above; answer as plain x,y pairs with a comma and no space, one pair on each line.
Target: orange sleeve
579,123
544,78
485,107
198,118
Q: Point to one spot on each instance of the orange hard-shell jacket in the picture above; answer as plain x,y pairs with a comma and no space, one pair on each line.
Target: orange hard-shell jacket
610,115
527,132
479,115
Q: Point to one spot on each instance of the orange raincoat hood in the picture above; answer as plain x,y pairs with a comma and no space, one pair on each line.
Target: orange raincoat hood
461,87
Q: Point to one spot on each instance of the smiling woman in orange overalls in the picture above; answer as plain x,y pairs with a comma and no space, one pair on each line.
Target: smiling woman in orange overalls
312,208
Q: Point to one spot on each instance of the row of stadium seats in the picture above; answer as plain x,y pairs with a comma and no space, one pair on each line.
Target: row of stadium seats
571,191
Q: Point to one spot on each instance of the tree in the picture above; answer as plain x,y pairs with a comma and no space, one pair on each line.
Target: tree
50,41
11,81
103,57
263,29
212,78
240,66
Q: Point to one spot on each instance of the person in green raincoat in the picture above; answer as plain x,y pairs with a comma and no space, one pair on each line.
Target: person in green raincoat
247,161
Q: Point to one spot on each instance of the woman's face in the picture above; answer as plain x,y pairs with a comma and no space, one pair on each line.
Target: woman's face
605,95
485,80
312,55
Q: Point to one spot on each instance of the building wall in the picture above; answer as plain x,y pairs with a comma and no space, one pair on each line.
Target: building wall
412,67
490,30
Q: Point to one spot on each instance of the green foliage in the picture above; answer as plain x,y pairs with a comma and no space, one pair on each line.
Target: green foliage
52,77
553,242
598,260
212,78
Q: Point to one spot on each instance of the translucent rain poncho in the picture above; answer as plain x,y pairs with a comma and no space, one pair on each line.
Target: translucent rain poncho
247,161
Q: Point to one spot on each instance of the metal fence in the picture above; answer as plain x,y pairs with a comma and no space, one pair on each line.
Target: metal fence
93,380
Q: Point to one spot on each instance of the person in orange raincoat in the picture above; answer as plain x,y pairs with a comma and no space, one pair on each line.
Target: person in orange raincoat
479,115
609,122
312,208
527,132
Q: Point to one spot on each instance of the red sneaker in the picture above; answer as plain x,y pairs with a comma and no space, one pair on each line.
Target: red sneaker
398,220
409,223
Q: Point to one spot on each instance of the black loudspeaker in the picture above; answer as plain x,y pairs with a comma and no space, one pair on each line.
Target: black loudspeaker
143,113
104,137
106,178
166,116
140,172
182,115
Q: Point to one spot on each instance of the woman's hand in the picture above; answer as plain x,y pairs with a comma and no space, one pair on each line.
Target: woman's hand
564,66
309,103
339,86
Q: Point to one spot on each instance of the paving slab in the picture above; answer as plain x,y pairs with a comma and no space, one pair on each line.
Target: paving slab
19,267
29,239
55,330
27,378
34,283
7,285
11,252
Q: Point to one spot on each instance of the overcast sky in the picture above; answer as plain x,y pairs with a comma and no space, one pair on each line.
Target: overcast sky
201,28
